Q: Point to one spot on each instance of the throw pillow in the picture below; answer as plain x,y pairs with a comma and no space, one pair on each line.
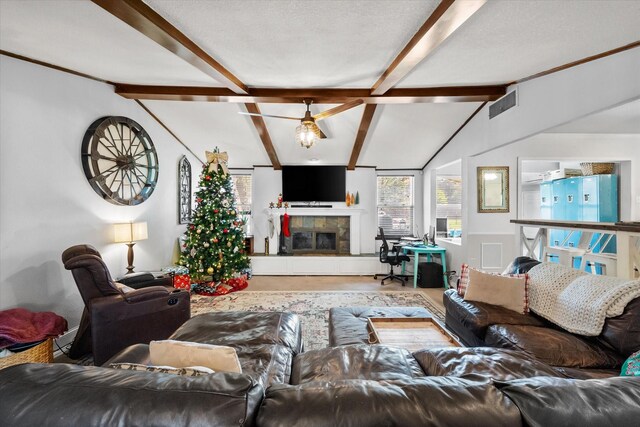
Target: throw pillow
631,367
463,280
191,371
182,354
504,291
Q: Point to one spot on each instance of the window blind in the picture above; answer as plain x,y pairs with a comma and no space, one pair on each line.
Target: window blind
396,205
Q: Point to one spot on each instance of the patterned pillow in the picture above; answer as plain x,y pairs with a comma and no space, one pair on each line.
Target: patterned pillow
631,367
191,371
463,283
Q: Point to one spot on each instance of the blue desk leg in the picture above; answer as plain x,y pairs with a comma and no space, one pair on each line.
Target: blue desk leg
443,255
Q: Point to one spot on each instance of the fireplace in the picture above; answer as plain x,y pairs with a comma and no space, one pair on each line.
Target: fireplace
320,235
305,241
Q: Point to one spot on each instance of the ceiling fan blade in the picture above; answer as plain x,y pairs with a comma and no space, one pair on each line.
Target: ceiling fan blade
269,115
339,109
319,131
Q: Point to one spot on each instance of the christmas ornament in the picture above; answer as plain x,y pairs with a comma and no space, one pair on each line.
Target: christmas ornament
225,231
215,240
228,244
216,159
225,203
210,270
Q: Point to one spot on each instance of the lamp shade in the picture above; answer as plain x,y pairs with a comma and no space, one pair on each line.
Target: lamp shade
130,232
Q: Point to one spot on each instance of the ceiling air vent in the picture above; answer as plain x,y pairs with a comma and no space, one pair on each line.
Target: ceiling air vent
503,104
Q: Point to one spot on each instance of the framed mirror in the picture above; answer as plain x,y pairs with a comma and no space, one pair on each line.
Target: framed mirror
493,189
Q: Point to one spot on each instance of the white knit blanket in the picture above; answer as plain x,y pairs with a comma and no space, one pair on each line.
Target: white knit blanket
577,301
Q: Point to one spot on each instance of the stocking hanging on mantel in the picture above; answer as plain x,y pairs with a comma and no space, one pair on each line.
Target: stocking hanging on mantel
214,243
285,225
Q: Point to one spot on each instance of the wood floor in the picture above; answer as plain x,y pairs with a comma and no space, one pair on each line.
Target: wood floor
336,283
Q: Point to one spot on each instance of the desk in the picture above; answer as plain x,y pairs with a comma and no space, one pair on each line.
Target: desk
428,251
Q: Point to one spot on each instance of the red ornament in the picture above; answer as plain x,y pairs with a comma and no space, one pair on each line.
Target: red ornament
215,240
225,231
216,211
198,199
192,226
208,178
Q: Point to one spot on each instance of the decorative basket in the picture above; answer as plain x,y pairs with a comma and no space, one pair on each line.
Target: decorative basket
596,168
41,353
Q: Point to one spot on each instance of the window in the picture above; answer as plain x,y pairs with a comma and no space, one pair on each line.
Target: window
449,203
395,205
242,193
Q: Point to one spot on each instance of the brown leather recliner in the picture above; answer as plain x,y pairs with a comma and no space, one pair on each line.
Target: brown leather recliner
112,319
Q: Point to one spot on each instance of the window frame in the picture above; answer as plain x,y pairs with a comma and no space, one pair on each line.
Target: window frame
235,174
397,174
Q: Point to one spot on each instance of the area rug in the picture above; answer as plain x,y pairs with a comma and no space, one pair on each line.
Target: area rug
312,307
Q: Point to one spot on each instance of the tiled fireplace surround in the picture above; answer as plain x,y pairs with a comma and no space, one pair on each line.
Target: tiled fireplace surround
315,234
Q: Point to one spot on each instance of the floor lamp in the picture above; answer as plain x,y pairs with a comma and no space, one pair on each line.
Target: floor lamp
130,233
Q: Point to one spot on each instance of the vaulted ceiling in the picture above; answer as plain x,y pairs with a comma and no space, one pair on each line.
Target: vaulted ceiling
422,68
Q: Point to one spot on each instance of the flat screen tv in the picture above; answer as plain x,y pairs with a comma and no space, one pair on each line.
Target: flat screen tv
313,183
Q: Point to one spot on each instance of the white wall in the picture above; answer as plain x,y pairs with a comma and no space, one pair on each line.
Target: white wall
543,103
46,203
267,184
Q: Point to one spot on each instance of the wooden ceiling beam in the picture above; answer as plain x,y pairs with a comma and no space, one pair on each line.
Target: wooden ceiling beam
141,17
444,21
367,118
261,127
318,96
147,21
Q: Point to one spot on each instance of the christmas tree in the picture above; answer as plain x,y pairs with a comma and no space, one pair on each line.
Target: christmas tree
214,244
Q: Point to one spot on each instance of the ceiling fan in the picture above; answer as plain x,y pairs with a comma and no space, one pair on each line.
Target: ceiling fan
308,132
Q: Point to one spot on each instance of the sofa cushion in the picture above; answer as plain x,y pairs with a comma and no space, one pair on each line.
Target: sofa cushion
623,332
586,374
70,395
552,346
509,292
547,401
359,361
348,325
477,316
481,363
220,358
425,401
243,328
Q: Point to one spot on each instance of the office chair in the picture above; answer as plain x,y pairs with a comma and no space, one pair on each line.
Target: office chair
392,257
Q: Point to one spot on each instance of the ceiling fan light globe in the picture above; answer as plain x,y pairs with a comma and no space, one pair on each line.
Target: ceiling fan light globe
306,136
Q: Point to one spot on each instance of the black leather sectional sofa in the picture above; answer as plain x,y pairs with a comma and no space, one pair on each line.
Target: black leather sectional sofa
350,385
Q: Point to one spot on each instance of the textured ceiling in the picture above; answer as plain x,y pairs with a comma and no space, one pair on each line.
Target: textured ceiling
407,135
322,43
204,126
509,40
83,37
325,43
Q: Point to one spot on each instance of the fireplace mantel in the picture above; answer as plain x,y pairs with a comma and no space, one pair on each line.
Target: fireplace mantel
352,213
